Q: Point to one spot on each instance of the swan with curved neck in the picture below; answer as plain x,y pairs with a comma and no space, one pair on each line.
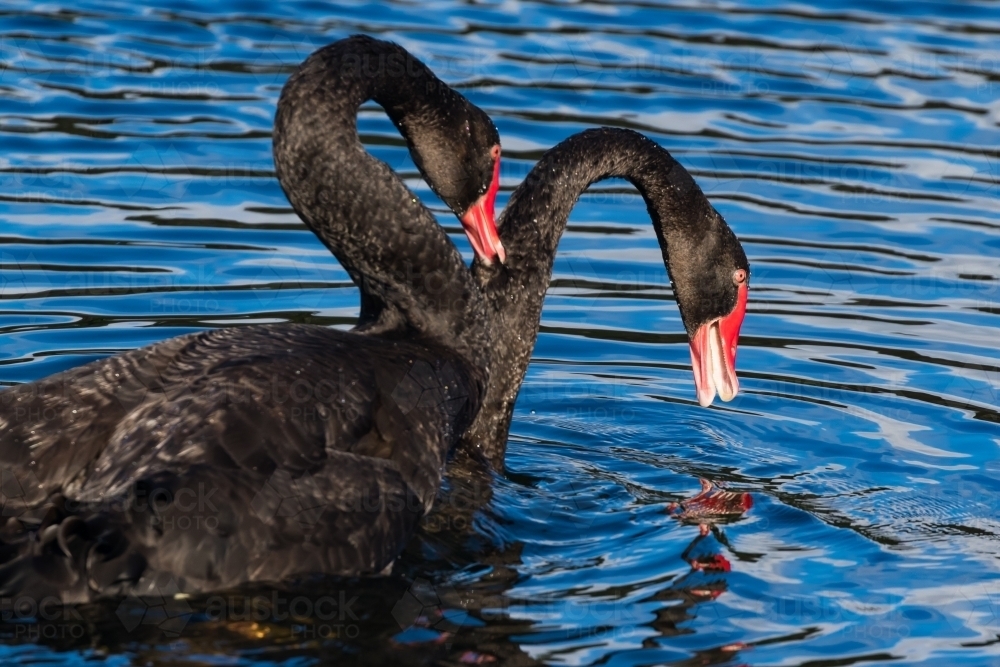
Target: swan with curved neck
358,206
319,450
708,268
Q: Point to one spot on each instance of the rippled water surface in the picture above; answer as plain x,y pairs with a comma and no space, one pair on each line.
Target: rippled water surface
851,146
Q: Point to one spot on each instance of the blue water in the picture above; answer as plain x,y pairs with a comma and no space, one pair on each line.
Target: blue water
852,146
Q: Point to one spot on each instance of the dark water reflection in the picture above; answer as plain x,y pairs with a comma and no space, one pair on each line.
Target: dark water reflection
853,147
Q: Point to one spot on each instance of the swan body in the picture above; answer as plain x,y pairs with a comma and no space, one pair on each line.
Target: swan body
263,452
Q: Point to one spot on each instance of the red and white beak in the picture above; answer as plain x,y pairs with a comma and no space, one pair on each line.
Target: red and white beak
713,354
480,224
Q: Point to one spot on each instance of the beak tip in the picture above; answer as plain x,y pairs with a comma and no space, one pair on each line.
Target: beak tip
706,396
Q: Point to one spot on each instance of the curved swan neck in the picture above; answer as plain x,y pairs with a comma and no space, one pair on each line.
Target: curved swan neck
410,274
536,216
530,229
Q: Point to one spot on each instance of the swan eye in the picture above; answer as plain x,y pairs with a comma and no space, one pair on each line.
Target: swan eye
739,276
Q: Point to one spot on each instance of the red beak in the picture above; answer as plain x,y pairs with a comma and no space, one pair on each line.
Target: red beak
713,354
480,224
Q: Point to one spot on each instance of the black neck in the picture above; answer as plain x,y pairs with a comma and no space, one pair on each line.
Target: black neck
411,276
530,229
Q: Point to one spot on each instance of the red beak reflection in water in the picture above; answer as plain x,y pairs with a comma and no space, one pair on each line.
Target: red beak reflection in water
713,354
479,221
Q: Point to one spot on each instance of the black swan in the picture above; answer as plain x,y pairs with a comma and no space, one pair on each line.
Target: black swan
708,268
263,452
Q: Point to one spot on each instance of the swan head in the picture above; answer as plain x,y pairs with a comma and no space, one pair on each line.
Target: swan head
711,277
713,349
456,147
479,220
